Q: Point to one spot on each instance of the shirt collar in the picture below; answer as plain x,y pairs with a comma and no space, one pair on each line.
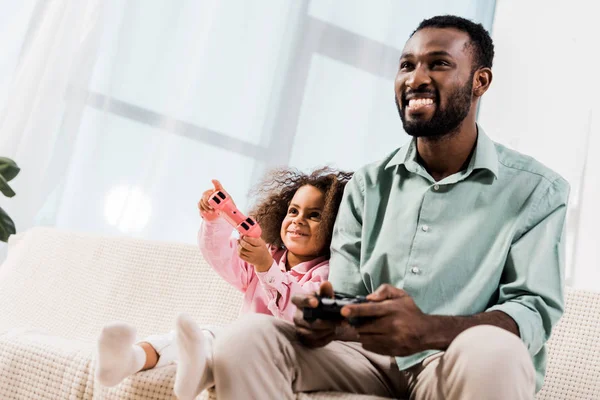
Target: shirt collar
303,267
484,157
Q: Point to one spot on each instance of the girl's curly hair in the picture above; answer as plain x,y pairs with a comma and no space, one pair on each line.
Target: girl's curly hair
275,192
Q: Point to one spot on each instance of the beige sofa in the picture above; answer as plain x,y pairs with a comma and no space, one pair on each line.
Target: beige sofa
57,289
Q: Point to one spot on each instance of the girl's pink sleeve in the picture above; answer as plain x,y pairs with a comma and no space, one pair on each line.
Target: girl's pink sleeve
281,286
220,251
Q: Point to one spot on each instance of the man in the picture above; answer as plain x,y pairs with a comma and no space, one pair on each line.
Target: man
456,240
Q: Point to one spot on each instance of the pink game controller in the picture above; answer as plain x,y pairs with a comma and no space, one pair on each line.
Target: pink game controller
221,202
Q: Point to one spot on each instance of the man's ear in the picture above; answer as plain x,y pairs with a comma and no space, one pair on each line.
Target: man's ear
482,78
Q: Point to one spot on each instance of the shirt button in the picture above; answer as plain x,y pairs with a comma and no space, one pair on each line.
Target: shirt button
425,228
270,279
436,187
415,270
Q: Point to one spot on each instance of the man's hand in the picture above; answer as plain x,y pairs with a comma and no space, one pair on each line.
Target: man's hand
319,333
255,252
396,326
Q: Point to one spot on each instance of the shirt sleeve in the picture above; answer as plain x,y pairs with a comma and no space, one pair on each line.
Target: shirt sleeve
532,285
219,249
281,286
345,275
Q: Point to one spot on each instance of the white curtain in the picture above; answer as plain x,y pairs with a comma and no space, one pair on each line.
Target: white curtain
120,112
54,45
543,102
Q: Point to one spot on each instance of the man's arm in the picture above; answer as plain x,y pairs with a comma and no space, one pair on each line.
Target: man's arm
442,330
531,290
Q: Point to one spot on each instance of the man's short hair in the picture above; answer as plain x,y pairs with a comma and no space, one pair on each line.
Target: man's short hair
481,42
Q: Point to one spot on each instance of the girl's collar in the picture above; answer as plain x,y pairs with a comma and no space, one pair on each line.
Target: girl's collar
304,266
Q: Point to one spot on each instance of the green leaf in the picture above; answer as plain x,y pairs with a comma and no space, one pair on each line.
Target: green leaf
8,168
5,188
7,226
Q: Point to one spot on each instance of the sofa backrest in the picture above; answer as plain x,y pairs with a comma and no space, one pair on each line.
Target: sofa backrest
71,284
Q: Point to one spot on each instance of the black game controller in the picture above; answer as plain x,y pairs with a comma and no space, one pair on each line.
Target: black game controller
329,309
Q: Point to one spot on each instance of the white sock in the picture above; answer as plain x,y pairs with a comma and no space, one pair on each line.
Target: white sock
194,355
118,356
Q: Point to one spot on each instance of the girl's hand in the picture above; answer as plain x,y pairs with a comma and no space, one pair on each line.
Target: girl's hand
206,211
255,252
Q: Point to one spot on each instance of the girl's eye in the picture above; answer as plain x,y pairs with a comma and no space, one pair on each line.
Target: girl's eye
292,211
315,215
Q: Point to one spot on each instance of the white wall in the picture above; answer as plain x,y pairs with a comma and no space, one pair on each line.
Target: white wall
544,102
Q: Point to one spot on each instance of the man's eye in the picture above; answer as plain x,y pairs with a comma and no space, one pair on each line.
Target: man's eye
441,63
405,65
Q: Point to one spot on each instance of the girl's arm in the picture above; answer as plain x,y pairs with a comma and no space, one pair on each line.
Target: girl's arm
220,251
281,286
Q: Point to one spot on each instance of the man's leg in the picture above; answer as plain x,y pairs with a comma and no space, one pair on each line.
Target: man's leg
259,357
484,362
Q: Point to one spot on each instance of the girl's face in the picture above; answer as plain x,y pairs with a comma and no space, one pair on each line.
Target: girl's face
301,224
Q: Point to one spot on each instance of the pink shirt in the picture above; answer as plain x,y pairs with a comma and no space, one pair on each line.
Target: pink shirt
261,289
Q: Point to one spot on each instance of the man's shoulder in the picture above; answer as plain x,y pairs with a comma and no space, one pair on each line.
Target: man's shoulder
375,171
515,162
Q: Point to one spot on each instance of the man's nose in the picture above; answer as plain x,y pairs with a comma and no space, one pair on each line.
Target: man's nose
418,78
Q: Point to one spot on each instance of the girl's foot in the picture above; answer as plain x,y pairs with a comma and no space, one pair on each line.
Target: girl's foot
193,356
118,357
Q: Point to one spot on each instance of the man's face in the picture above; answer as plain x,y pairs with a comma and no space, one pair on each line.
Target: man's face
434,83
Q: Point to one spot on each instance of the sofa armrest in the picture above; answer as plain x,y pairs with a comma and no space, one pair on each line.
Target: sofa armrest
37,365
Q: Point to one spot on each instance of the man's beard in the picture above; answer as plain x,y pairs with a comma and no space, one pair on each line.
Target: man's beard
444,121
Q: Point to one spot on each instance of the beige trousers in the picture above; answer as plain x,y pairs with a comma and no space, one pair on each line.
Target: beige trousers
259,357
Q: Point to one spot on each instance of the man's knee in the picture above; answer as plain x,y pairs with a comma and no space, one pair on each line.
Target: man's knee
486,362
489,349
250,334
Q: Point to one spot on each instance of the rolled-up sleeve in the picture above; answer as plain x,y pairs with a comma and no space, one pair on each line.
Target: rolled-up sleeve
344,264
532,287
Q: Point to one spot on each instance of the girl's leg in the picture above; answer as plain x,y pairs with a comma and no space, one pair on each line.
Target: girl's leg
119,357
160,350
194,358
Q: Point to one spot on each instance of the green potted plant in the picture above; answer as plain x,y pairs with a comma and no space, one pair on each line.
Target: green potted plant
8,170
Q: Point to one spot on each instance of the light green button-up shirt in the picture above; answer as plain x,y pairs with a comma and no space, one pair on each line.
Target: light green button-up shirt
490,237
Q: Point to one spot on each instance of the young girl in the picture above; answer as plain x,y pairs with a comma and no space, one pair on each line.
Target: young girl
296,213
